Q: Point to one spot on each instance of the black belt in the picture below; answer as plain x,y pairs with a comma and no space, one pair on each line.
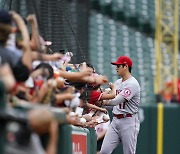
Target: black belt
119,116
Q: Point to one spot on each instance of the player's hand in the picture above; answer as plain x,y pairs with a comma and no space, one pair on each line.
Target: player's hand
111,85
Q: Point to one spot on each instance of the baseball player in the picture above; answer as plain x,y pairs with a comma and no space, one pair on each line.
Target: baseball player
125,124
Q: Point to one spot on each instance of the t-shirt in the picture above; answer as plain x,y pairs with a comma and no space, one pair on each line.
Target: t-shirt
20,71
7,57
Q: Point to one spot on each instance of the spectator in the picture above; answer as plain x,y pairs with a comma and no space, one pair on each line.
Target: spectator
101,131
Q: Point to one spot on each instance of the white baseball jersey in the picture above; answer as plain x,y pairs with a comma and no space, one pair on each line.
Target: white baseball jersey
130,90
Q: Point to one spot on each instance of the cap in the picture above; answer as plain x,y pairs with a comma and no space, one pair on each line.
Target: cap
5,17
123,60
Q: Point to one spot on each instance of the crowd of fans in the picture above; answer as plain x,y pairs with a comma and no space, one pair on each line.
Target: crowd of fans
46,82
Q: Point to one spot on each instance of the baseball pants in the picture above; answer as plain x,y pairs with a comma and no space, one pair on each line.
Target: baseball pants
125,131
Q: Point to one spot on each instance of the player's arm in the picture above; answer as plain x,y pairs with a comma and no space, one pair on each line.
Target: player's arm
116,101
126,94
107,96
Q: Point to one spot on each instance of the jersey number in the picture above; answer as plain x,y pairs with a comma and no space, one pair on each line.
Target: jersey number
122,105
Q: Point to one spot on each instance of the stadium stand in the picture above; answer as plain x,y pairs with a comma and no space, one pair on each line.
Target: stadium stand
139,14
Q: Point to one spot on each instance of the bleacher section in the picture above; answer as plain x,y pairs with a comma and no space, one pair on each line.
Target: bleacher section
109,39
135,13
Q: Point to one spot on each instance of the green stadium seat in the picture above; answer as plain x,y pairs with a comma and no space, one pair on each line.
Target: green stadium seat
135,13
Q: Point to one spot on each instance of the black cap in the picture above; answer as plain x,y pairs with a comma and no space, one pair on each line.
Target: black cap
5,17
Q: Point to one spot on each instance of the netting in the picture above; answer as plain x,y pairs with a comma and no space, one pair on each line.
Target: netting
64,22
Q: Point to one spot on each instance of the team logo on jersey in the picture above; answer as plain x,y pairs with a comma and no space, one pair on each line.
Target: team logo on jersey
118,91
127,92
